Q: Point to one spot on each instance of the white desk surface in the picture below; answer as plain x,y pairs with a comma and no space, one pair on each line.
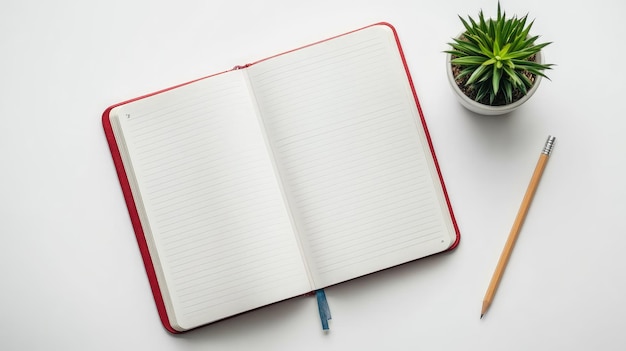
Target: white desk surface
71,276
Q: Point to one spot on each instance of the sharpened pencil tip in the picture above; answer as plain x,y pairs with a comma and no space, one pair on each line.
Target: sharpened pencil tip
481,316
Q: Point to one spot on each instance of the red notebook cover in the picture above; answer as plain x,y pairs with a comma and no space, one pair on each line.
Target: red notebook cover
130,203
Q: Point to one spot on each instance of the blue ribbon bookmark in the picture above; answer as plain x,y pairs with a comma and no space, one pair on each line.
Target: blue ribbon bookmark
322,306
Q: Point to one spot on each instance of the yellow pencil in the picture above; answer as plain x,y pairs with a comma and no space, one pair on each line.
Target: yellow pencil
517,225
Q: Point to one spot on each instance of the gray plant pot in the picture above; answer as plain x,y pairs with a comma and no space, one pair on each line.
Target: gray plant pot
483,109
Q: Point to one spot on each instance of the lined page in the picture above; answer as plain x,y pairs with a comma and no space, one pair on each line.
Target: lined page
355,162
210,205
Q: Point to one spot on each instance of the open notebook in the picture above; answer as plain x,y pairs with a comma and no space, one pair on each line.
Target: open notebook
284,176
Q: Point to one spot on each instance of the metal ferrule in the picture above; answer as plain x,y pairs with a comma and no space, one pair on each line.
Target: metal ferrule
547,149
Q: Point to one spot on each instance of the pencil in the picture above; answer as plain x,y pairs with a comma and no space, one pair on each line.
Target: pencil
517,225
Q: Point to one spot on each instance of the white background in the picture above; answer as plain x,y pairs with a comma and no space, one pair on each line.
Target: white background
71,277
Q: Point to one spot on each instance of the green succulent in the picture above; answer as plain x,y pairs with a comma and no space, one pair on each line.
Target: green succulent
496,57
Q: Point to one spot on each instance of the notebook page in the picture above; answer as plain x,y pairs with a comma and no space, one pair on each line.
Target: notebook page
210,205
357,169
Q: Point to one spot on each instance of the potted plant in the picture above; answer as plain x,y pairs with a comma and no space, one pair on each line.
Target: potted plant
495,65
